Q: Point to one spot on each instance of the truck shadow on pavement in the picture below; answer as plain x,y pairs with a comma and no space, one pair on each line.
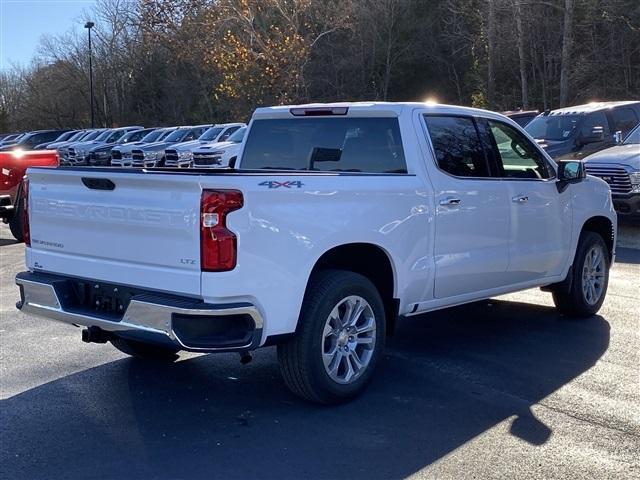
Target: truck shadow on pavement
628,255
448,377
7,241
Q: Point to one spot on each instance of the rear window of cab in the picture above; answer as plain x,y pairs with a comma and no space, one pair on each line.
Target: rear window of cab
367,145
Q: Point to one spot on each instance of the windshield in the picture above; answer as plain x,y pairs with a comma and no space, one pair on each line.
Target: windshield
125,138
211,134
553,127
128,136
115,136
237,136
28,137
64,136
370,145
164,134
633,137
77,136
103,136
177,135
151,136
91,136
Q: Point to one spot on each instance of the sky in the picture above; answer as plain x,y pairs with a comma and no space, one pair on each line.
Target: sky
22,22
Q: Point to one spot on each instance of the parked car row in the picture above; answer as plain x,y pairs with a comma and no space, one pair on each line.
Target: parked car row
181,146
605,135
150,147
576,132
33,140
212,145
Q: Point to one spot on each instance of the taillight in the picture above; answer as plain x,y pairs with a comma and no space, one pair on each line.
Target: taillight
218,245
26,232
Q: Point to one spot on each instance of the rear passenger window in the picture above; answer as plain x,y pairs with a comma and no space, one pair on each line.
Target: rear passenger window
593,121
624,120
457,146
371,145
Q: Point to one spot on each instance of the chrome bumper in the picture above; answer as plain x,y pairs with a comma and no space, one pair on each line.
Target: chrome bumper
121,163
148,317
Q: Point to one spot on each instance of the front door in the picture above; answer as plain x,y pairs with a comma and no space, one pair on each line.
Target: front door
471,248
540,215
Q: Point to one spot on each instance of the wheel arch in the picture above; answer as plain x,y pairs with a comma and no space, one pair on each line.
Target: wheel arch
371,261
604,227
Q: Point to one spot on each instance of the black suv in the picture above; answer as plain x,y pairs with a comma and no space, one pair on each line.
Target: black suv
29,140
575,132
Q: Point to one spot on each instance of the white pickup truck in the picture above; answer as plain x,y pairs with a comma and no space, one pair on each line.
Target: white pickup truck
337,220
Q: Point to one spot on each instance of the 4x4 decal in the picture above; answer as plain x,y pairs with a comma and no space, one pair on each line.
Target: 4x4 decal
286,184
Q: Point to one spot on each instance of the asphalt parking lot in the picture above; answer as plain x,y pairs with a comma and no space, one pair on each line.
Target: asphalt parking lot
498,389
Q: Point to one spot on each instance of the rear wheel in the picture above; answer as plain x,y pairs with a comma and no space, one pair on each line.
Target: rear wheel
16,221
145,351
339,340
590,278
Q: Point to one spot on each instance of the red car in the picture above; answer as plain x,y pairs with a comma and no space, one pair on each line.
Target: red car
13,166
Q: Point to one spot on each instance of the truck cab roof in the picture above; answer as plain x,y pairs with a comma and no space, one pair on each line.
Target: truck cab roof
363,109
590,107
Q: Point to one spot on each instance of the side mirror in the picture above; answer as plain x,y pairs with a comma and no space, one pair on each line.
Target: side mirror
570,171
595,135
617,137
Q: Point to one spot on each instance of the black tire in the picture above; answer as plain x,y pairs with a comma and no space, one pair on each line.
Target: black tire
16,221
301,358
145,351
573,302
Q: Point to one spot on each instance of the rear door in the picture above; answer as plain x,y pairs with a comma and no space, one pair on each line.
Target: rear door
540,228
471,249
134,229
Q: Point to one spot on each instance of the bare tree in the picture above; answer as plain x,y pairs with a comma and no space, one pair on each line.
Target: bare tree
195,61
521,55
567,44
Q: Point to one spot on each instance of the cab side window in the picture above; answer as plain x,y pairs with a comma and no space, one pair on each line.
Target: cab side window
457,145
593,121
137,136
517,157
624,119
227,133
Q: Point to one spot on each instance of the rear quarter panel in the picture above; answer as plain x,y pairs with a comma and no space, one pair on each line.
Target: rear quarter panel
283,230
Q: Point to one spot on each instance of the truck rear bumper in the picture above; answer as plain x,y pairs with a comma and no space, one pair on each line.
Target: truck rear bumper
182,322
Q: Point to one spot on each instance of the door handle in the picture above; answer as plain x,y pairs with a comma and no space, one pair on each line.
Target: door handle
450,202
520,199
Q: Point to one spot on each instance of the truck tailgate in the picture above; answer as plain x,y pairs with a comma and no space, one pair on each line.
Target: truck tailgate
126,228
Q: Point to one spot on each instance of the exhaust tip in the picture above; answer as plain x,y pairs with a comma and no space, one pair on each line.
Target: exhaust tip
245,357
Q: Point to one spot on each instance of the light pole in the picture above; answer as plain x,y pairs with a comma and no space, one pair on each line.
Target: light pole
89,26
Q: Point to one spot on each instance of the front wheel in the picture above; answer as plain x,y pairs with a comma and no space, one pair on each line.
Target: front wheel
340,337
590,278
